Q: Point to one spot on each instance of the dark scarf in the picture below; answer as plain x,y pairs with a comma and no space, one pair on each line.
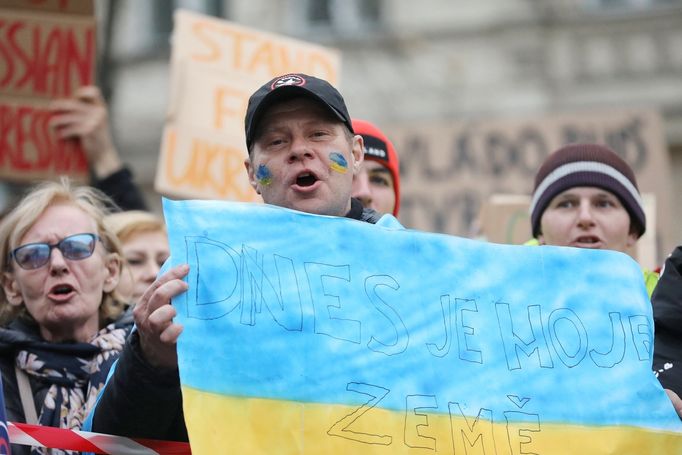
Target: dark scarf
76,372
358,212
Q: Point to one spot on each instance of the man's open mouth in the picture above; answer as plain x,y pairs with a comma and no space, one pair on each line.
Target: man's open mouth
306,179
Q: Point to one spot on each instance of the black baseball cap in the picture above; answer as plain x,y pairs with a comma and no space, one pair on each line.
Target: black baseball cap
290,86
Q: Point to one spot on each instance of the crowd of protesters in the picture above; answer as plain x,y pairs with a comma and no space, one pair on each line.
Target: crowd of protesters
81,264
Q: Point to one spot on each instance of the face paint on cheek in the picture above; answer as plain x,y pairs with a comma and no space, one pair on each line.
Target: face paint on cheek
263,175
338,163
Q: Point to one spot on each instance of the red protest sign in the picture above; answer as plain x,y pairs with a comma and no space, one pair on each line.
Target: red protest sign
45,53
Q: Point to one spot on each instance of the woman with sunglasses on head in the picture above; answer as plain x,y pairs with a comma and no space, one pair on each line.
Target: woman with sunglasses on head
61,317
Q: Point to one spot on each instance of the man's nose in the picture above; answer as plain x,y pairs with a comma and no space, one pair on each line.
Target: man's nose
300,148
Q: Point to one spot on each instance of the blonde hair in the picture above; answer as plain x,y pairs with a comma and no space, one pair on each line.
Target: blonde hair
131,222
19,220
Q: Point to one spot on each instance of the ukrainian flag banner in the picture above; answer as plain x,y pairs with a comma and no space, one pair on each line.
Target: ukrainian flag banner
308,334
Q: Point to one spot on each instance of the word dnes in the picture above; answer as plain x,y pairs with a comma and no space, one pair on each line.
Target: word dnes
369,311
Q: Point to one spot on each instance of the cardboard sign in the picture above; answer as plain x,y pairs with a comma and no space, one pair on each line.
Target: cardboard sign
72,7
215,66
448,169
314,334
47,51
504,218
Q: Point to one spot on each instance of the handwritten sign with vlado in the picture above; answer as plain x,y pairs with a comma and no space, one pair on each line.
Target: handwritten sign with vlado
313,334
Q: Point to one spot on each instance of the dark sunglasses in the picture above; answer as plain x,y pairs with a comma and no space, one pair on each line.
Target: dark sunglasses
35,255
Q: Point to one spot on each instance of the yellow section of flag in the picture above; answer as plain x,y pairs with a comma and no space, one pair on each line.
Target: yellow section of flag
220,423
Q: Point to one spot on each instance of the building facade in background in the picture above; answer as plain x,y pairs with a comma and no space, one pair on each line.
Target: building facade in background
412,63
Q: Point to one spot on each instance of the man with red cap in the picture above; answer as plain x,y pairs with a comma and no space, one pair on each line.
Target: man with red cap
377,185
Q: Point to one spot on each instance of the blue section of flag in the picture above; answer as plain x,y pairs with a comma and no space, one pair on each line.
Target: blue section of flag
293,306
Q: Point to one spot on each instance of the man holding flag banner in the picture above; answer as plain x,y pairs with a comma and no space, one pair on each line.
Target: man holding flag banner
302,155
319,334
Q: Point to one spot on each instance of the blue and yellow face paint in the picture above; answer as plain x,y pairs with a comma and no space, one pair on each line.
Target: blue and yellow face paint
338,163
263,175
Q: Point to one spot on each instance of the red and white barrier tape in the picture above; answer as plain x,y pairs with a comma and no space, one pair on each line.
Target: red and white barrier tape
85,441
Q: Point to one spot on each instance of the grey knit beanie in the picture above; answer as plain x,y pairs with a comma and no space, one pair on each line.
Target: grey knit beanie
586,165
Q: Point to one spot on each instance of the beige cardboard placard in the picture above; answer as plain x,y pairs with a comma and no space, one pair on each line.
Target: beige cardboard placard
504,219
449,168
45,53
215,66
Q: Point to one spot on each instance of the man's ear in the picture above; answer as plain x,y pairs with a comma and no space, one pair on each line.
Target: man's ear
252,174
12,290
358,152
112,264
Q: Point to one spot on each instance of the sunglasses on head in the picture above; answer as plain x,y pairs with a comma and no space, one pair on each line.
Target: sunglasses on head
35,255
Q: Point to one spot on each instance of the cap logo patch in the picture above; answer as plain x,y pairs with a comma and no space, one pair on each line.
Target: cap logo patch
289,79
378,153
375,147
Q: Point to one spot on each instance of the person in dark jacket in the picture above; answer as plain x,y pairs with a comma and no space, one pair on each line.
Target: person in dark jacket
303,154
60,315
667,303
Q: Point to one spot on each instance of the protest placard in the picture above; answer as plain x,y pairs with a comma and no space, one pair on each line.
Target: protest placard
215,66
47,50
375,339
504,218
449,168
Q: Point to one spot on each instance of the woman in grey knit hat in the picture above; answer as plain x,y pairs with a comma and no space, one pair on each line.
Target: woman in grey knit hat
586,196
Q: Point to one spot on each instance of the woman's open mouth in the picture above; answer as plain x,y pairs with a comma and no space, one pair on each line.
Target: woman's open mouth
61,292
